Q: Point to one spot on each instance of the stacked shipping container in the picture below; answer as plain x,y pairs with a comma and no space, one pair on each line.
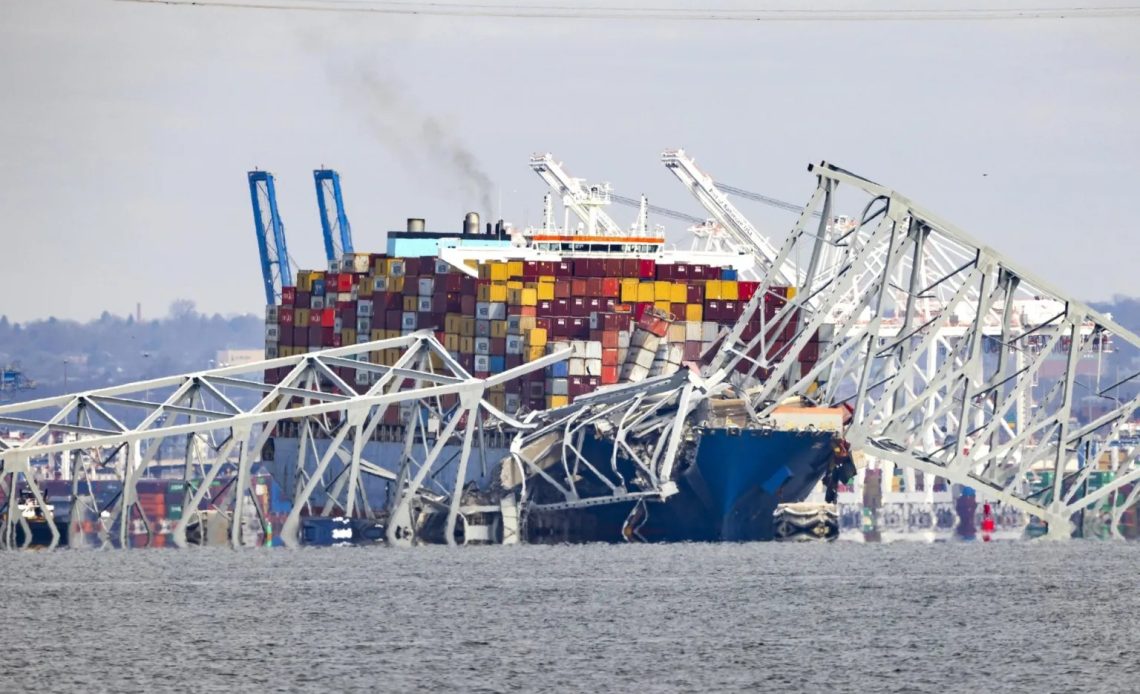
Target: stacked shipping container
624,318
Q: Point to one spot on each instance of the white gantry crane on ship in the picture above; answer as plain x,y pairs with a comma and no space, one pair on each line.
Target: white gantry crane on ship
587,202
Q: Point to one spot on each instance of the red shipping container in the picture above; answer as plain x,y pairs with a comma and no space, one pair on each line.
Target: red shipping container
698,272
594,287
498,345
609,357
328,317
609,375
579,307
609,339
288,296
302,300
344,282
680,272
713,311
563,268
546,267
630,267
731,310
646,268
746,289
665,272
285,316
411,267
563,289
334,340
331,280
562,307
530,268
692,350
612,267
611,286
578,287
546,323
678,311
393,318
594,305
301,337
513,360
694,293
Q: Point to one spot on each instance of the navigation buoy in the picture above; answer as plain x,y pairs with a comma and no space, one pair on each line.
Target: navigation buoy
987,523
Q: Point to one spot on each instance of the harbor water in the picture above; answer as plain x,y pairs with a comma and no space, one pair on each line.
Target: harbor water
733,617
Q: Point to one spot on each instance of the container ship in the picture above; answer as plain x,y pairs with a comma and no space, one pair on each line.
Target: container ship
629,309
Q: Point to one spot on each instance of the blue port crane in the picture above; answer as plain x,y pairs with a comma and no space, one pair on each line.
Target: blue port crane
275,269
334,221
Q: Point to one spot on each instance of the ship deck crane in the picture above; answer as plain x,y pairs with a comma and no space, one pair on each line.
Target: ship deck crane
275,270
702,186
334,220
587,202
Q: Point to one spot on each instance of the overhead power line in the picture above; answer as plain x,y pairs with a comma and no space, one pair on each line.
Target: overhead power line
520,11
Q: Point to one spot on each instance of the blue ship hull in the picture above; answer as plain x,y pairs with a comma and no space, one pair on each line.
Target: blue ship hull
727,493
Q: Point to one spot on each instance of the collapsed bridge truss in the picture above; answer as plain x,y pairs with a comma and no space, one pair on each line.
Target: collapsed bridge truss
231,411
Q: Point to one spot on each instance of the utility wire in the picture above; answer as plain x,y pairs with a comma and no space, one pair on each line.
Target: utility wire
514,11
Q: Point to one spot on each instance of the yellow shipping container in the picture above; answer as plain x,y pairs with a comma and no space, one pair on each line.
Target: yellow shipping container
514,268
527,323
467,327
436,361
645,292
553,401
498,328
680,293
376,334
496,293
662,291
451,342
471,263
729,290
694,313
536,337
389,334
629,290
364,286
712,290
545,291
514,297
498,272
514,284
300,317
467,345
348,337
396,284
376,357
534,352
411,302
791,293
304,281
546,278
663,306
529,297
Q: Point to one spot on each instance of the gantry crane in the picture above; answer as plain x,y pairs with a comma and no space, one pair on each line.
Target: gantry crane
702,186
587,202
275,270
334,221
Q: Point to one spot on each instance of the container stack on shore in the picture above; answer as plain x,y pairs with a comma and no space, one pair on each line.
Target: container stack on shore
625,319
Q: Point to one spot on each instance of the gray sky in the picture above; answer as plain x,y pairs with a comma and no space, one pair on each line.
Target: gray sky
128,129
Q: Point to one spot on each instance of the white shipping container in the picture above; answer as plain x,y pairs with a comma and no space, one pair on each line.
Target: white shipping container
442,267
512,402
594,367
558,386
578,348
497,311
693,331
513,325
623,339
635,374
271,350
676,354
423,304
482,328
316,303
364,307
514,344
481,310
379,284
709,331
676,332
364,325
482,346
576,367
482,362
271,313
427,286
643,357
408,320
362,378
593,350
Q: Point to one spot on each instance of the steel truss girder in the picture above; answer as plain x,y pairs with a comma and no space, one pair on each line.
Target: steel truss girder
312,395
918,366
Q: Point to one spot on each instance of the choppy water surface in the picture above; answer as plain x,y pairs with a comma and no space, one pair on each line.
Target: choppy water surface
841,617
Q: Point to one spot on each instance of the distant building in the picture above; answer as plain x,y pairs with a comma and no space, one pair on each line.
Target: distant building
238,357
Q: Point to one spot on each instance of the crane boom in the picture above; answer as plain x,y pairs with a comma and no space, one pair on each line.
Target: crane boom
275,270
702,186
657,209
334,221
586,203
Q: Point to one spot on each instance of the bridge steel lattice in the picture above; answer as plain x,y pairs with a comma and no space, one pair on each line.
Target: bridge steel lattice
206,409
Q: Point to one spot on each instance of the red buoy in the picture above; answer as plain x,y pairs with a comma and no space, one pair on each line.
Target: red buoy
987,523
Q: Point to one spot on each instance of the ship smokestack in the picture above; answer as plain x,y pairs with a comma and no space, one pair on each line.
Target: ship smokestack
415,224
471,223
